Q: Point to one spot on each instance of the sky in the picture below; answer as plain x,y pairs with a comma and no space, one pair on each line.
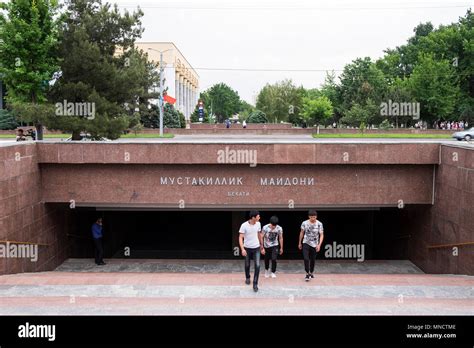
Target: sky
249,43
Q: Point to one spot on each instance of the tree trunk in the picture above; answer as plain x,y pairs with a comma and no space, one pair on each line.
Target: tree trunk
39,126
76,135
39,131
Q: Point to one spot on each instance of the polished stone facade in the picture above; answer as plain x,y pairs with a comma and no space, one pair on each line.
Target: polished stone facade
341,175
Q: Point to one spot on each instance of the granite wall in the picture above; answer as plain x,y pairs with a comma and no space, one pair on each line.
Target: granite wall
35,176
438,235
25,220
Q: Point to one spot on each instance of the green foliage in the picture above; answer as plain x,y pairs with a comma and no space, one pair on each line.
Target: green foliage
281,101
435,86
136,128
313,93
25,112
317,111
358,113
385,125
28,36
7,120
331,90
361,81
182,119
257,116
246,110
117,84
223,100
449,45
195,115
172,118
399,91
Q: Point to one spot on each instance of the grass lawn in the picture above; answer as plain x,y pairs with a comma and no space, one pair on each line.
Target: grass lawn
141,135
384,136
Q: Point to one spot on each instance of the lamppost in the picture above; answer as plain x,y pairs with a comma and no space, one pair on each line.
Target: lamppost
161,101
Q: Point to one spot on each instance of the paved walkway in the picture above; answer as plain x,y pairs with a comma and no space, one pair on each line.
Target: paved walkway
236,266
75,288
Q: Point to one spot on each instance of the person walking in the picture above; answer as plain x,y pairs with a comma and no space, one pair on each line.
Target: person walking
273,244
251,245
97,237
310,240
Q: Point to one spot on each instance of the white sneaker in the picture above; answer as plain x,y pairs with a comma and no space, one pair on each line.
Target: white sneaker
267,274
274,275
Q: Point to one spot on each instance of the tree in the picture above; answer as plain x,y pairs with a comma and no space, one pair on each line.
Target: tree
360,81
399,91
7,120
317,111
362,114
331,90
257,116
28,37
246,110
223,100
100,66
281,101
452,43
399,62
195,115
172,118
434,84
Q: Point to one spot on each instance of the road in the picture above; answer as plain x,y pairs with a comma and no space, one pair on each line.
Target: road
269,139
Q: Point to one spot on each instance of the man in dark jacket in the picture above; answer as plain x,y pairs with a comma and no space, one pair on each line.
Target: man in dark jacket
97,237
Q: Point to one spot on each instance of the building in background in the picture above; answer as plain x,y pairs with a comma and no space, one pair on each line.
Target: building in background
181,80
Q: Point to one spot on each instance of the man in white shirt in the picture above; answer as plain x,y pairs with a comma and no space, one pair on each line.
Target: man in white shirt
311,238
251,245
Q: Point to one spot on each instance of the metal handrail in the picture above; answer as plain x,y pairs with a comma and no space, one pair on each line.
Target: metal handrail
77,236
15,242
449,245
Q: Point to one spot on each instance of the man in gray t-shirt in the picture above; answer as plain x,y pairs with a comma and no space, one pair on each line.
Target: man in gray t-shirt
273,243
311,238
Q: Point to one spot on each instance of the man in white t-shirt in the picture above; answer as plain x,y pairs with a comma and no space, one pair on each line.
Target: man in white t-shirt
311,238
251,245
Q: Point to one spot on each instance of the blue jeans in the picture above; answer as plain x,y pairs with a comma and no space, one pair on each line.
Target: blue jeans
252,253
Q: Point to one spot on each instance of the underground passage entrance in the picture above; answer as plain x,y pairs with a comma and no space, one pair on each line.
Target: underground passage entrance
383,233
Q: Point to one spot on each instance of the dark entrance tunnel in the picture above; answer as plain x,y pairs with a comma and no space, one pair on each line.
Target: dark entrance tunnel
186,234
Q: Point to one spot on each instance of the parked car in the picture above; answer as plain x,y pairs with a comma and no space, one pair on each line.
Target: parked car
466,135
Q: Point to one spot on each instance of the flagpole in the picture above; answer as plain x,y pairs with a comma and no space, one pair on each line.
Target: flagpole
161,101
161,94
